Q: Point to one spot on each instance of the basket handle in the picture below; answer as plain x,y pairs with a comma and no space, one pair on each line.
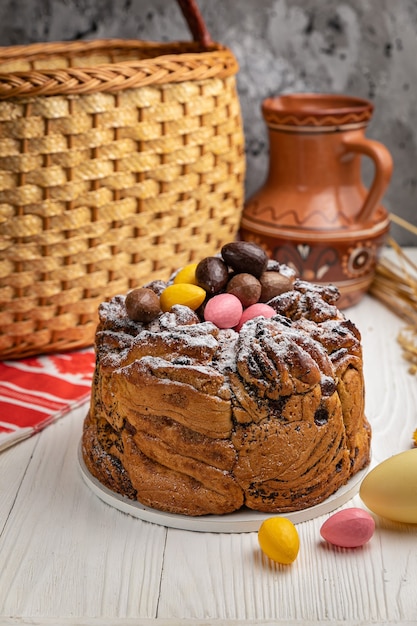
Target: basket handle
195,22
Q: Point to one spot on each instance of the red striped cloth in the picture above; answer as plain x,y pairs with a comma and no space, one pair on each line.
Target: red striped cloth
34,392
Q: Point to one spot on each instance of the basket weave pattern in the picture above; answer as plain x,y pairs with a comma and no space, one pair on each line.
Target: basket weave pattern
119,162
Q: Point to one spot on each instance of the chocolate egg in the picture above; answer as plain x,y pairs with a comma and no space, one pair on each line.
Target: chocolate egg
142,305
273,284
212,274
245,287
245,256
390,489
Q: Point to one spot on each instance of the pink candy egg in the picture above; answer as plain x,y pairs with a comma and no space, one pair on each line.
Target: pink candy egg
349,528
224,310
255,310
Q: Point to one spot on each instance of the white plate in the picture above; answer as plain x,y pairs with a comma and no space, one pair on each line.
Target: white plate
242,521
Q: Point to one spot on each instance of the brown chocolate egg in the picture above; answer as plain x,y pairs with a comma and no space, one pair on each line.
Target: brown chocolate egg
245,257
212,274
142,305
274,284
245,287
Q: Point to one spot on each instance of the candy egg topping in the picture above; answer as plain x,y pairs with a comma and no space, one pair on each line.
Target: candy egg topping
279,540
227,290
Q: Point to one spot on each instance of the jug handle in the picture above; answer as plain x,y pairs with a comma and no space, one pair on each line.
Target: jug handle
382,159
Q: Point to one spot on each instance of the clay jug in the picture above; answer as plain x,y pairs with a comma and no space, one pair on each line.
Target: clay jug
313,211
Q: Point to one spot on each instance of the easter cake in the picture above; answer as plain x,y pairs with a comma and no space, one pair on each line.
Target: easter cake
234,384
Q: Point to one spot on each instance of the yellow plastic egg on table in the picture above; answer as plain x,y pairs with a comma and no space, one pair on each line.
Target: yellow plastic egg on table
186,275
390,489
182,293
279,540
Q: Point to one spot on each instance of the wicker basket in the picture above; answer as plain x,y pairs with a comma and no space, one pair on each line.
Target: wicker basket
119,162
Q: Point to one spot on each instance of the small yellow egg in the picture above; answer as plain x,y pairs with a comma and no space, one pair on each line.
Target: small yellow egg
279,540
182,293
187,275
390,488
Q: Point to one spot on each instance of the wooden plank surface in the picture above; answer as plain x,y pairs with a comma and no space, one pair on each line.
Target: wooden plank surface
67,557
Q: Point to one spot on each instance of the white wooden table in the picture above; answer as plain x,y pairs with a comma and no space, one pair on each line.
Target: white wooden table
66,557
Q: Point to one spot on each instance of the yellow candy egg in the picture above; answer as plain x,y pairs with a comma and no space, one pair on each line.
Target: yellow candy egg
390,489
182,293
186,275
279,540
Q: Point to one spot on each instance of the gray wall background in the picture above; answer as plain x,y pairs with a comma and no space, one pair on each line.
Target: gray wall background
366,48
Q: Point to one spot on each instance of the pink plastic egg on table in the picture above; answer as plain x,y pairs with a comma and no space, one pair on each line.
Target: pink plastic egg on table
255,310
223,310
349,528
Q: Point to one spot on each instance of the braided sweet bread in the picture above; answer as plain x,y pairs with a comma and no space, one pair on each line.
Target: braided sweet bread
190,418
